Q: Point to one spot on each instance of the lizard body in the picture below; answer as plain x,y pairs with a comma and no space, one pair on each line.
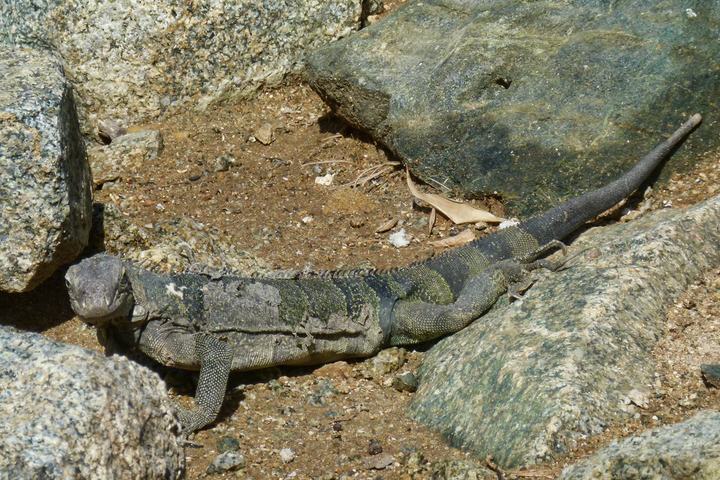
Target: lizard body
215,325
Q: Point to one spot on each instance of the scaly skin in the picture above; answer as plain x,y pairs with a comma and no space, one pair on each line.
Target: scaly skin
216,325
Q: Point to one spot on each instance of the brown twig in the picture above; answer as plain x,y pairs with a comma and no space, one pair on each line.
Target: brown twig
324,161
330,138
372,172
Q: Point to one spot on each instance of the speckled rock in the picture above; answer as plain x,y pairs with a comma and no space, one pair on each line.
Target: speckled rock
134,59
461,470
68,412
528,381
226,462
125,156
385,362
172,245
538,101
45,197
689,449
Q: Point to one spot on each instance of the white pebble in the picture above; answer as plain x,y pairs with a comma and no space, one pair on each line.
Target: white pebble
325,180
399,239
510,222
287,455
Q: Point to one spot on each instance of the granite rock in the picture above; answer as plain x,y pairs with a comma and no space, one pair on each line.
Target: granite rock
170,245
538,101
45,196
124,156
226,462
530,380
461,470
71,413
690,449
135,59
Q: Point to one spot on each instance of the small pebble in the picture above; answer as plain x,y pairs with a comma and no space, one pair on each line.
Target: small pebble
638,398
227,444
226,462
223,162
375,447
385,362
378,462
405,382
399,239
326,180
287,455
194,178
511,222
264,134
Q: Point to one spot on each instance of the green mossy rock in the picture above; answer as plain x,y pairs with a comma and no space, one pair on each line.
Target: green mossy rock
538,101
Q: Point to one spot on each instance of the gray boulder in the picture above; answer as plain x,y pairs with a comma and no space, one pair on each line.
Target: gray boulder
538,101
528,381
45,197
689,449
68,412
134,60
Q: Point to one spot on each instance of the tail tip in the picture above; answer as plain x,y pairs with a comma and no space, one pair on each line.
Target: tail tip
695,120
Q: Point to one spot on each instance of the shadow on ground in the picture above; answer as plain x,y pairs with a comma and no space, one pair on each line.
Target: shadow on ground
40,309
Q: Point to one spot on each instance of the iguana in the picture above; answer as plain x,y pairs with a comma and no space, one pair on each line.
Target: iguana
218,324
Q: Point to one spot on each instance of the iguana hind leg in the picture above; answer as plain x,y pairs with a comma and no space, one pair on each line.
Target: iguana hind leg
215,362
415,321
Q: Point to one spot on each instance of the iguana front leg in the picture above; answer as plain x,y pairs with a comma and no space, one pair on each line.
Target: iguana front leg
215,359
179,348
415,321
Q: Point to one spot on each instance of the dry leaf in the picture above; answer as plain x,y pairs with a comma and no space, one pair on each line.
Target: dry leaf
431,222
466,236
458,212
386,226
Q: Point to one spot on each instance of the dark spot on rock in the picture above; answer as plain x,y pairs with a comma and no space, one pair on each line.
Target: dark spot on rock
503,82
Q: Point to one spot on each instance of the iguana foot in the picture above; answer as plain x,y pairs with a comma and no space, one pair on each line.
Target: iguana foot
194,419
516,290
544,249
545,264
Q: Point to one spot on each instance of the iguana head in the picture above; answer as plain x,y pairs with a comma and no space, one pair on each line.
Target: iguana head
99,289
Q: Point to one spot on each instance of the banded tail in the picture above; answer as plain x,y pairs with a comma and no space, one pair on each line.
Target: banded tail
559,222
458,265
